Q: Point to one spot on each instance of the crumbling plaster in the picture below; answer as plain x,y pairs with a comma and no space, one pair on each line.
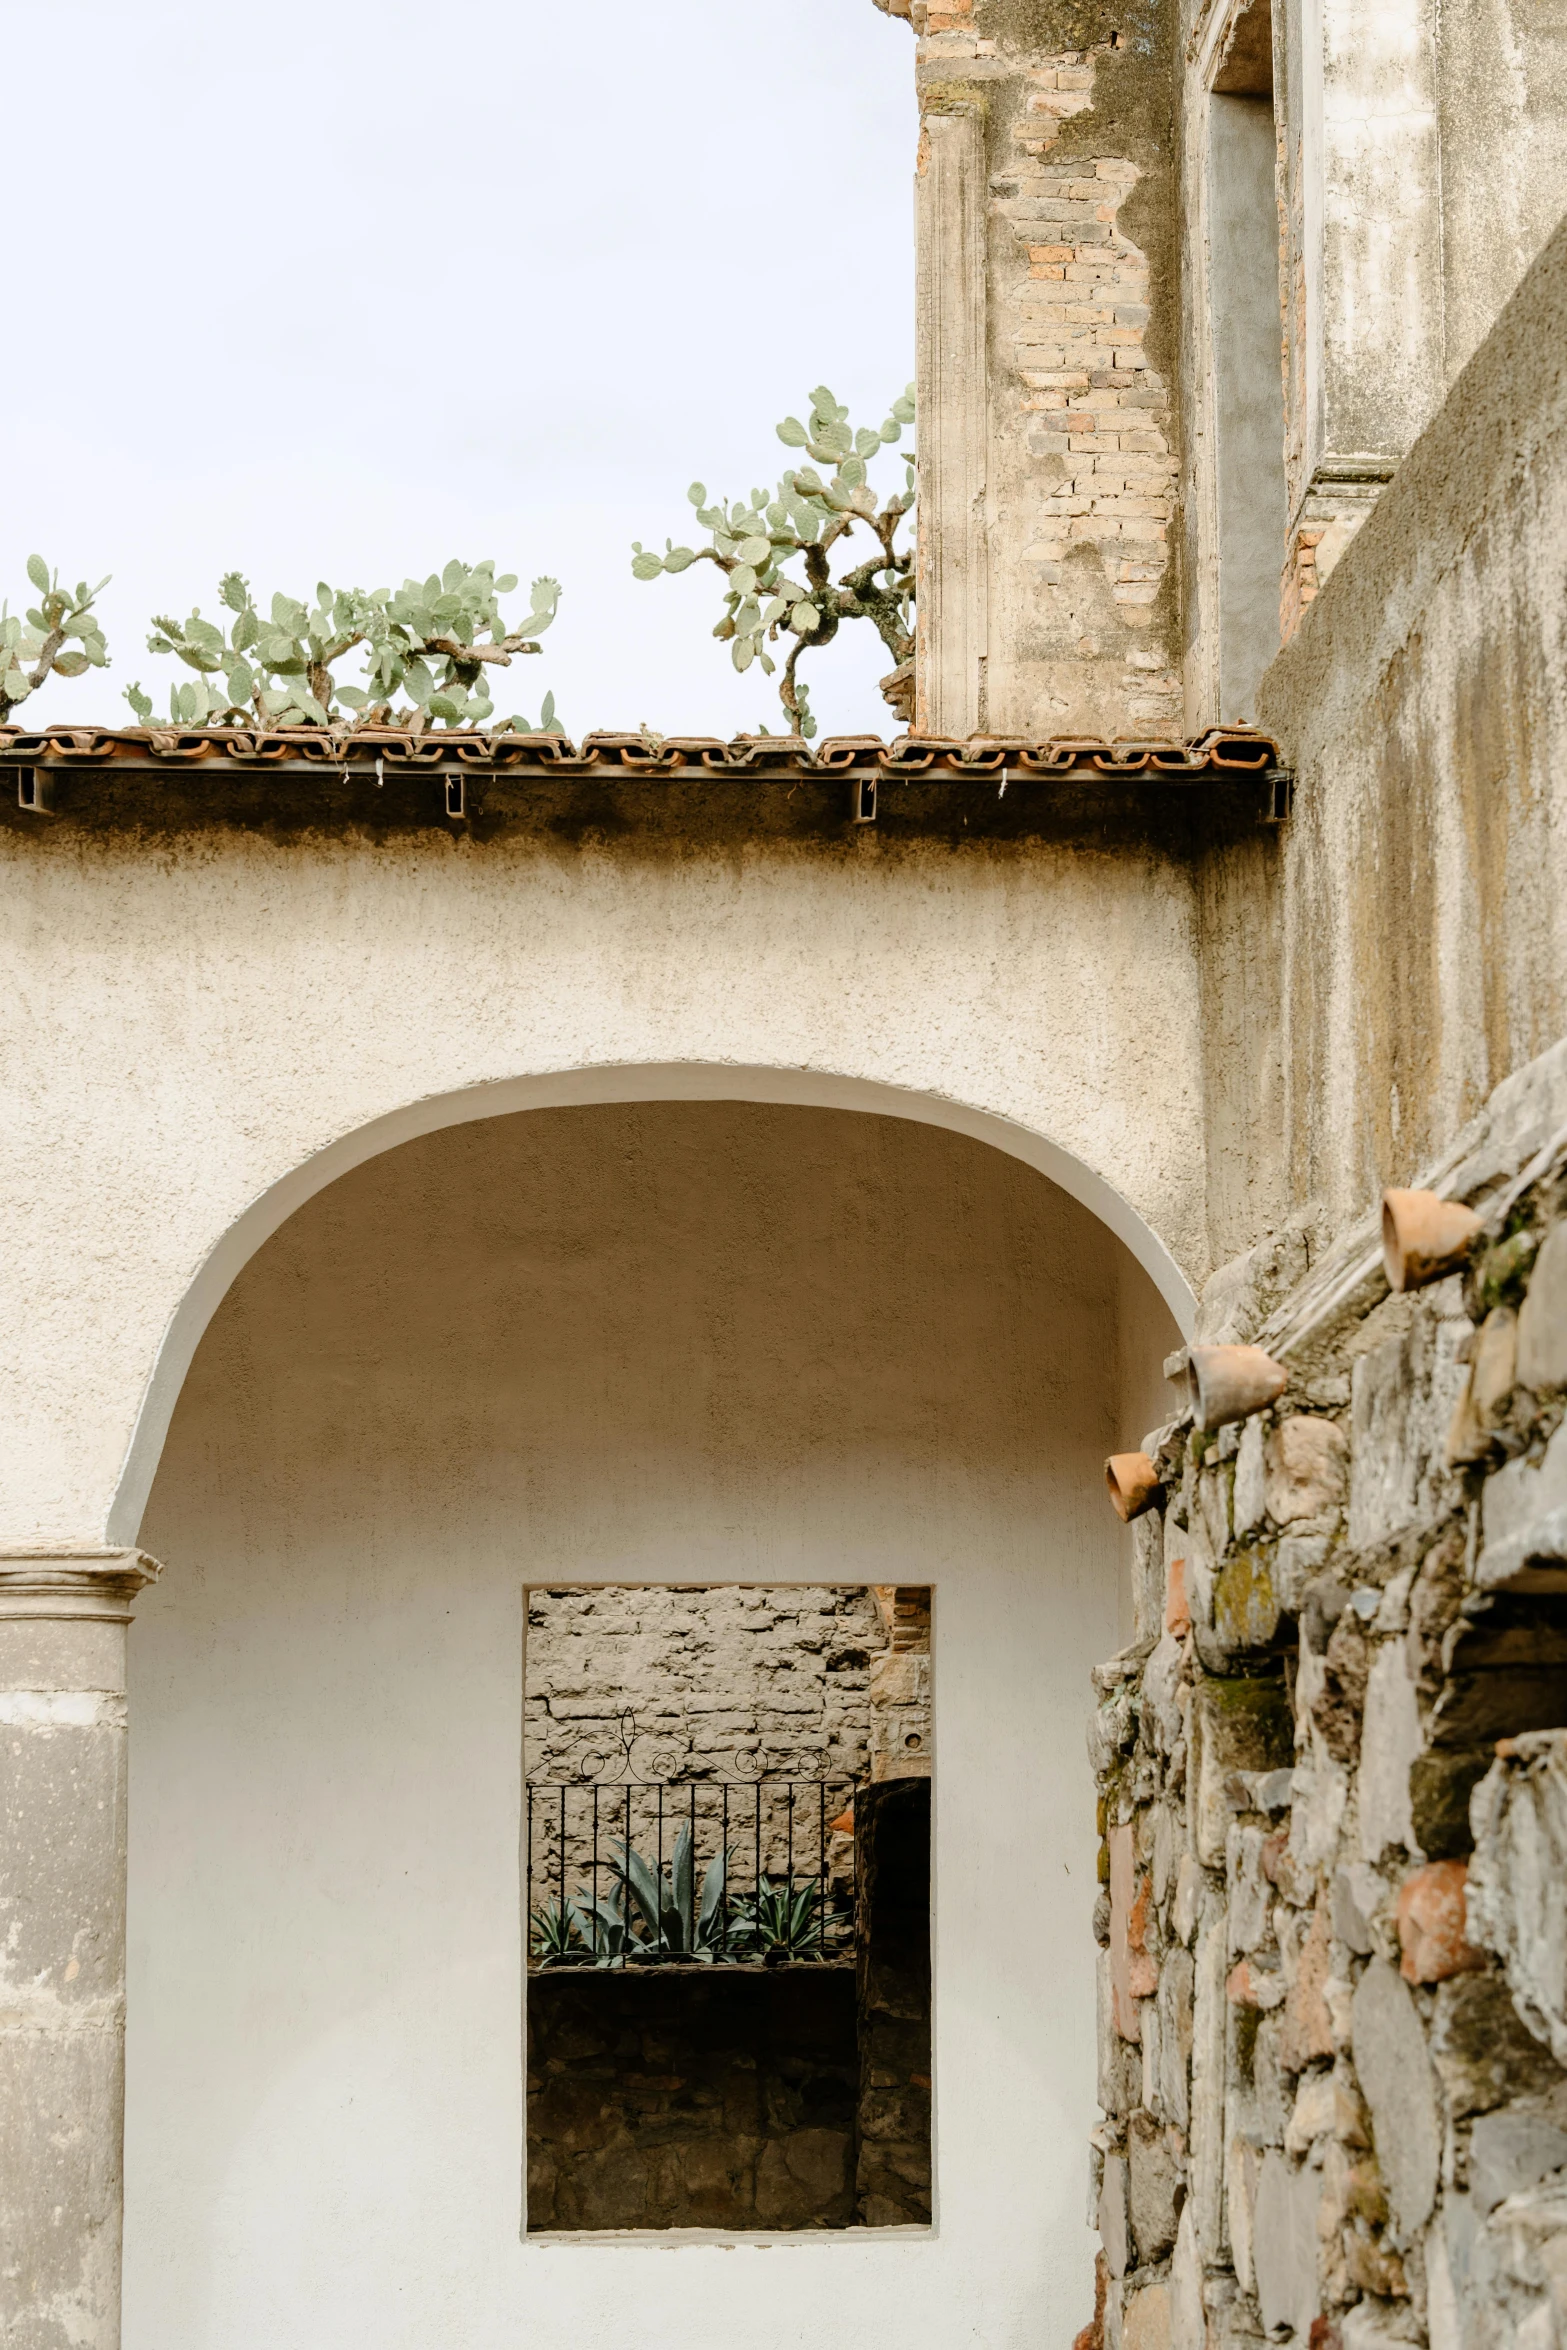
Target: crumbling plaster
209,1026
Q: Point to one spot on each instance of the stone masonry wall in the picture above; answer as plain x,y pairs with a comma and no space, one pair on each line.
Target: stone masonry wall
1333,1783
776,1676
720,1683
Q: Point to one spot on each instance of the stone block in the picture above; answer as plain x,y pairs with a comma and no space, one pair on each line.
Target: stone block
1305,1469
1542,1323
1493,1367
1186,1908
1236,1725
1209,2020
1523,1519
1512,2151
1390,1741
1242,2165
1248,1503
1347,1913
1296,1559
1154,2184
1115,2216
1440,1786
1307,2023
1145,2323
1432,1922
1518,1878
1245,1604
1484,2053
1402,1396
1396,2080
1132,1972
1379,2324
1115,2059
1284,2247
1174,2008
1248,1890
1213,1500
1327,2105
1188,2326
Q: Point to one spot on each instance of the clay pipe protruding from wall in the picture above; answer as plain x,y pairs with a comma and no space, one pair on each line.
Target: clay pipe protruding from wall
1424,1237
1230,1383
1133,1482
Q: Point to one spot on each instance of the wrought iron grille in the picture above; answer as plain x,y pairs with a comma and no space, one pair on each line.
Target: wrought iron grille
628,1866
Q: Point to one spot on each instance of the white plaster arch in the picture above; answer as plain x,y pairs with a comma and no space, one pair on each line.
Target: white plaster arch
691,1081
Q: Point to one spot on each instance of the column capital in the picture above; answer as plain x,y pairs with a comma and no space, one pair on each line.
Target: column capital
45,1581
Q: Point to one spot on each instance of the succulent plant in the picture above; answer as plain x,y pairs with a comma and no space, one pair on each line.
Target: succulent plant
753,543
59,635
431,642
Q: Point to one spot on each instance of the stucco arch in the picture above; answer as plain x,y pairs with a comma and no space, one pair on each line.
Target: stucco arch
622,1083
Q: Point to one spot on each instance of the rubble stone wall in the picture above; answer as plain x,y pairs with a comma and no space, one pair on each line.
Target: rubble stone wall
1332,1767
767,1675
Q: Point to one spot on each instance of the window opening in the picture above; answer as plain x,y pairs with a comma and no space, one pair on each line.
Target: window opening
727,1879
1247,334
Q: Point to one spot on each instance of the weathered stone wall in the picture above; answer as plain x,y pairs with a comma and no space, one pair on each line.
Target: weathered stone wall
1047,435
686,2101
1333,1917
1419,951
721,1679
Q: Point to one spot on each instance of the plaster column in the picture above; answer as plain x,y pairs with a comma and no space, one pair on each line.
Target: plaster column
950,367
63,1616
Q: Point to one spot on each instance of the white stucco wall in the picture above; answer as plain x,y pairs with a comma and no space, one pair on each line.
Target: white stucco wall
598,1344
207,1025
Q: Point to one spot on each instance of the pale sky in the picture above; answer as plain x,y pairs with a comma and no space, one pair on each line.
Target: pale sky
339,290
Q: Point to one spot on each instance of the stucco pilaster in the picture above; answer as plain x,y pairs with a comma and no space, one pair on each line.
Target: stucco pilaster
63,1619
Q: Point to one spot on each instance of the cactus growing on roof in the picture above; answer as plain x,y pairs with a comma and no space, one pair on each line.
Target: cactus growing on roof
813,507
43,637
432,642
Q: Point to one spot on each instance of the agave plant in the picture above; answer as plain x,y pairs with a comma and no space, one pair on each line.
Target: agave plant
44,636
680,1924
432,642
813,507
785,1920
647,1916
553,1933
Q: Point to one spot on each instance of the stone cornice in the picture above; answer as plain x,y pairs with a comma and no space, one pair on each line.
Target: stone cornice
47,1582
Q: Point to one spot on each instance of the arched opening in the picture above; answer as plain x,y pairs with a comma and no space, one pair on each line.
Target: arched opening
657,1341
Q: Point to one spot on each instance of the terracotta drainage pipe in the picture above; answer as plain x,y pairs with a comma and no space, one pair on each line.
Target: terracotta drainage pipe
1230,1383
1424,1237
1133,1482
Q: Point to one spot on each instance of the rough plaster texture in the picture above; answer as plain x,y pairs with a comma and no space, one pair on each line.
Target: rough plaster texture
211,1024
604,1344
1424,942
1502,97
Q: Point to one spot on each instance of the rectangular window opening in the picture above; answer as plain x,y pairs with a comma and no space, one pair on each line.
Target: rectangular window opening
726,1854
1247,336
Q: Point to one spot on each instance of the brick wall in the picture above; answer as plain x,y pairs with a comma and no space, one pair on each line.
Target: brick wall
1080,470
